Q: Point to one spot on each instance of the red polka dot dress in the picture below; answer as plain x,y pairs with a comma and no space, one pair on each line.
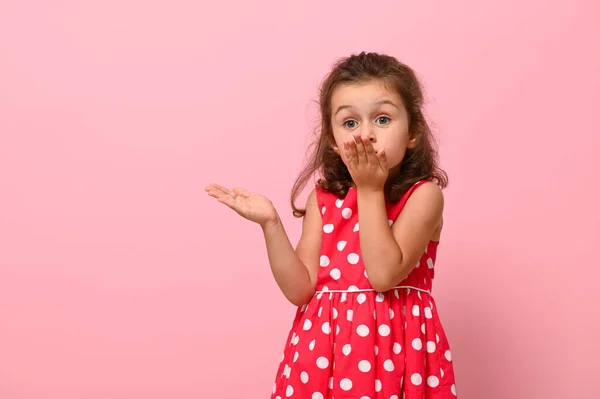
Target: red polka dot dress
352,342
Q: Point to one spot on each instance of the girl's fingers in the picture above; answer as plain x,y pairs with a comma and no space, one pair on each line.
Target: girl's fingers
382,160
218,188
371,156
227,200
351,154
360,149
238,191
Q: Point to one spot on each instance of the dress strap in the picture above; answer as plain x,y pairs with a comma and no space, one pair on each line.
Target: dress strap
321,196
397,208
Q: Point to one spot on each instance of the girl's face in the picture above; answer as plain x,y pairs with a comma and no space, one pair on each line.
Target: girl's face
375,112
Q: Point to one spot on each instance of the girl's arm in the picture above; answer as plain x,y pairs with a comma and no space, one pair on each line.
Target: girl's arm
389,255
295,271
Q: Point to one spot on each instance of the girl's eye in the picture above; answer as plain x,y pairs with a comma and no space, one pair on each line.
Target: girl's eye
350,124
382,120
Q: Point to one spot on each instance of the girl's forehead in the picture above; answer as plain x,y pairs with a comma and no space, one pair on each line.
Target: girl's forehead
368,93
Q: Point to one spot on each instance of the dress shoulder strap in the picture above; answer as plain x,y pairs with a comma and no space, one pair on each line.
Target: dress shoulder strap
395,209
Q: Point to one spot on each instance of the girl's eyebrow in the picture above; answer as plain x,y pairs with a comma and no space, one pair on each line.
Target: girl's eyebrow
381,102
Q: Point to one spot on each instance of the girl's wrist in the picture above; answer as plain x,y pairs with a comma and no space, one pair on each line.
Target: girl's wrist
271,223
369,191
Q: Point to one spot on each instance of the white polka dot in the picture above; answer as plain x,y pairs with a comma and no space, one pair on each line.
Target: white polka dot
430,263
453,389
423,328
344,296
353,258
448,355
388,365
289,391
396,294
337,329
296,355
365,273
364,397
416,311
303,308
430,347
311,346
346,213
361,298
380,297
323,210
287,370
346,384
417,344
307,325
320,311
304,377
376,350
364,366
335,313
437,338
433,381
356,227
341,245
328,228
442,372
416,379
428,313
352,288
347,349
375,314
349,314
362,330
335,274
322,363
317,395
384,330
395,396
397,348
330,383
390,223
378,386
324,261
391,314
274,387
339,202
419,294
326,328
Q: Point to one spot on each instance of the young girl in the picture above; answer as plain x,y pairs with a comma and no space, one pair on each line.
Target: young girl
366,326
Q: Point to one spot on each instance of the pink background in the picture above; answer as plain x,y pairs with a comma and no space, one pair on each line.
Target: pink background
120,278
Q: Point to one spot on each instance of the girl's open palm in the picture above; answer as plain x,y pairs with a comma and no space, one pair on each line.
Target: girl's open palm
251,206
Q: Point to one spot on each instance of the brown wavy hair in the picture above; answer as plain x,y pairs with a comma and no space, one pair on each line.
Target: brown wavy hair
419,163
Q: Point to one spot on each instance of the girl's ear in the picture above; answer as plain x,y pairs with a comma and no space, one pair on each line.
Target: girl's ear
334,147
412,142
